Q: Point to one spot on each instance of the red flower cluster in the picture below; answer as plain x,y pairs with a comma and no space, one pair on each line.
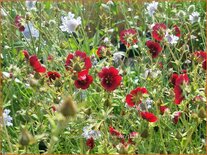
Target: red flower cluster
181,79
131,136
154,48
90,143
52,75
84,80
176,31
158,31
202,57
110,78
78,61
114,132
102,51
176,117
135,96
35,63
163,109
173,78
18,23
150,117
128,37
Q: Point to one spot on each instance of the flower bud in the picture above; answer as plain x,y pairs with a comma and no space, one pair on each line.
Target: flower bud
68,107
25,138
77,67
107,103
202,113
178,135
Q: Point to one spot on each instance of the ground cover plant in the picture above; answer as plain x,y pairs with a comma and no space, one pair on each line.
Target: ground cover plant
103,77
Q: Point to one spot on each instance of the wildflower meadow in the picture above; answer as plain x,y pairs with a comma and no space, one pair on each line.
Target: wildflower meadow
103,77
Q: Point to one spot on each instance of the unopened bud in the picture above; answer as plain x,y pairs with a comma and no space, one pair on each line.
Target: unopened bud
25,138
77,67
202,113
68,107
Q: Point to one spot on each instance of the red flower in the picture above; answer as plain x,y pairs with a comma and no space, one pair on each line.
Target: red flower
53,75
90,143
115,132
181,80
128,37
202,57
78,58
50,57
18,23
176,31
84,80
163,109
37,66
102,51
132,136
154,48
173,78
110,78
150,117
135,96
158,31
176,117
26,54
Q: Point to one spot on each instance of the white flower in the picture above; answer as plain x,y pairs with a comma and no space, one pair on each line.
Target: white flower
106,40
194,17
3,13
111,30
30,4
88,133
129,9
6,74
69,23
152,7
172,39
110,2
30,31
187,61
7,118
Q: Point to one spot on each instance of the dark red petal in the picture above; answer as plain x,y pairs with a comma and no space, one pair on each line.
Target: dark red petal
150,117
129,101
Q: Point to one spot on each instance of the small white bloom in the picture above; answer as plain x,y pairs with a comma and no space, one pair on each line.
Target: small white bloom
110,2
136,17
106,40
135,46
88,133
172,39
187,61
30,31
69,23
129,9
6,74
30,4
7,118
111,30
152,7
194,17
3,13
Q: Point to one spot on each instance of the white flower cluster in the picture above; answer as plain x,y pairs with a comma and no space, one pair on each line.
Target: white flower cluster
69,23
88,133
30,31
7,118
152,7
